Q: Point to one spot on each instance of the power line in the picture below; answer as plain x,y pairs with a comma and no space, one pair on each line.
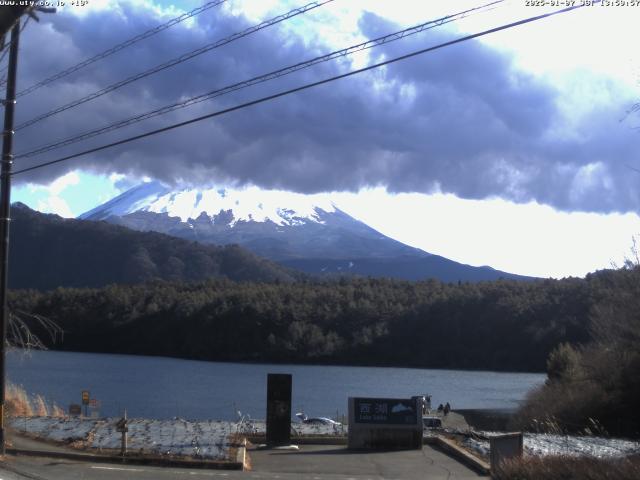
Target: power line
175,61
260,79
121,46
297,89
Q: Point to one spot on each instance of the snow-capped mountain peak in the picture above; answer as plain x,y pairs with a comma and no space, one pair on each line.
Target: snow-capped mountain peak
271,223
246,205
304,232
127,202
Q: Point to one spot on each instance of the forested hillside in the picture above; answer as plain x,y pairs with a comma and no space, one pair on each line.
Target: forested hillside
48,251
595,387
501,325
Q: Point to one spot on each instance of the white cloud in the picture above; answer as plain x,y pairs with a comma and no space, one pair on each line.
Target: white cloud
55,205
116,177
57,186
53,202
529,239
61,183
463,118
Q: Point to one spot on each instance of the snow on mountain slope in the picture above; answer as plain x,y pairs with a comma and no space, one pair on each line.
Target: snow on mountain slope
305,232
127,202
251,204
271,223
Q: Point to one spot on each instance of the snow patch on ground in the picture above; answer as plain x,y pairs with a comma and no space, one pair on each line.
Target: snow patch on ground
541,444
169,437
208,439
297,429
177,437
60,430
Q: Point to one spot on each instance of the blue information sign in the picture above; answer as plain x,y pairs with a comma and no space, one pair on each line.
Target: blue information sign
388,411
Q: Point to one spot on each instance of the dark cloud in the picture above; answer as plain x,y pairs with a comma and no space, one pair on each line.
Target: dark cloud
461,119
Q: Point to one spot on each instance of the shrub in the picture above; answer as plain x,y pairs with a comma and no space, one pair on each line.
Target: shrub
18,404
569,468
600,381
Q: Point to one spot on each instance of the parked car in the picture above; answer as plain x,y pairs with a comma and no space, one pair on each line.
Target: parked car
432,422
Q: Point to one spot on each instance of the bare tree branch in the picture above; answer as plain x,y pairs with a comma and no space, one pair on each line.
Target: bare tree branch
21,326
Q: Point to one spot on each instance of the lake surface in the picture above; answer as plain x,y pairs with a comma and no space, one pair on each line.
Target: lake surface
162,388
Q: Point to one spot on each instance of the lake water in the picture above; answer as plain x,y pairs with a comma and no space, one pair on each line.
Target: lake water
162,388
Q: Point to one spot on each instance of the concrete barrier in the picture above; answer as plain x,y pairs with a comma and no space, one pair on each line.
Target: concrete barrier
460,454
504,447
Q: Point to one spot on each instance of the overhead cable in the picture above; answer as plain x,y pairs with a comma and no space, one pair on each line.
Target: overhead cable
121,46
296,89
256,80
175,61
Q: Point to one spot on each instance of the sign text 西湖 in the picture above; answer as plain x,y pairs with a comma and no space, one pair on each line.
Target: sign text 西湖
389,411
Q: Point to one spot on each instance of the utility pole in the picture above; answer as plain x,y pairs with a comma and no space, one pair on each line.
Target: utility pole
10,14
5,212
5,195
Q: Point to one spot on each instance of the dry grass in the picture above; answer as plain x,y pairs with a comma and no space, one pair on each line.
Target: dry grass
569,468
19,404
40,406
56,411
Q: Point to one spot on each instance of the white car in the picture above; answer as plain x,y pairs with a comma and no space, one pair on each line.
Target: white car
432,423
316,420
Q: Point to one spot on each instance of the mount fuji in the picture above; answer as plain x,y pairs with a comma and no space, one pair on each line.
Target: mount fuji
305,232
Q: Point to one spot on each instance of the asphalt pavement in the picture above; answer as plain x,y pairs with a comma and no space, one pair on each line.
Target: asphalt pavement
336,461
311,462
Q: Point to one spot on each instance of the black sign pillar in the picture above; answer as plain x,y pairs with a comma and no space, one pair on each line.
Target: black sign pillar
278,409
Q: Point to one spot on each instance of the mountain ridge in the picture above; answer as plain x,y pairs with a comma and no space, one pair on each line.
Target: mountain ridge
48,251
266,222
308,233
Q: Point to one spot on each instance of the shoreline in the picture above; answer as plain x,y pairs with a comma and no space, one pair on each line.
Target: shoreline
317,364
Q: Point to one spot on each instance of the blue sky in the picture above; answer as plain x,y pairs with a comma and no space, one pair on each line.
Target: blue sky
69,195
514,151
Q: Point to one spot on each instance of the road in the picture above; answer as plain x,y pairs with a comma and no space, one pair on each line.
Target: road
312,462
